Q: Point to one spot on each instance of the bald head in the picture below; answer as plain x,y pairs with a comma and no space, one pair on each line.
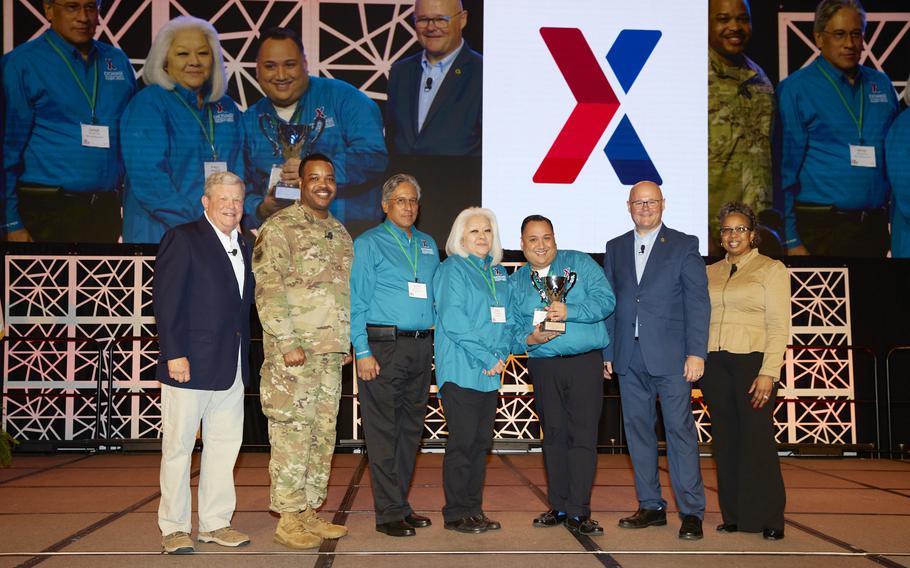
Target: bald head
646,205
439,24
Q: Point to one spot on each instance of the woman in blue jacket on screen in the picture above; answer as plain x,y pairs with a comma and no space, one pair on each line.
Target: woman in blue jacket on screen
471,347
177,131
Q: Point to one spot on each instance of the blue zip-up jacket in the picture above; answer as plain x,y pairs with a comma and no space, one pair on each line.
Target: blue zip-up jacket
816,134
467,341
165,151
352,138
588,304
379,282
897,162
43,110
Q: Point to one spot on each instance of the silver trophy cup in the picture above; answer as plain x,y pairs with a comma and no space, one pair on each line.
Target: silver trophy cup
290,141
553,289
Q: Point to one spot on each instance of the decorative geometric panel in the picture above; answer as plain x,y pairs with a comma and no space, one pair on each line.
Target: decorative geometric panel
353,40
886,44
82,306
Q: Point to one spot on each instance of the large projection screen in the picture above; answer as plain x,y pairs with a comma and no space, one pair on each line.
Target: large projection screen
541,59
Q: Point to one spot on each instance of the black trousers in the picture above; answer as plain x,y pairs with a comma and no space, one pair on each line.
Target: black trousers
568,394
469,417
827,231
393,407
749,483
55,216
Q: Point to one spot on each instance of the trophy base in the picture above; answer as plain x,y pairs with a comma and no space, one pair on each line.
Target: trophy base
553,326
288,192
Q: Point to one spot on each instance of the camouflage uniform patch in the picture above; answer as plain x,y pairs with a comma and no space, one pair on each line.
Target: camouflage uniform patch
302,266
740,109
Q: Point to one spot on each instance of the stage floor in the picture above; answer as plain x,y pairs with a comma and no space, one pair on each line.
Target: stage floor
76,510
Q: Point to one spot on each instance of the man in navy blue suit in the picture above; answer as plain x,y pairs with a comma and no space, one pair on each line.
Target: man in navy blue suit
659,341
435,96
202,293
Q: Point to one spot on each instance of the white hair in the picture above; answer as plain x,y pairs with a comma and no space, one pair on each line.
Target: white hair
907,92
222,178
454,244
154,73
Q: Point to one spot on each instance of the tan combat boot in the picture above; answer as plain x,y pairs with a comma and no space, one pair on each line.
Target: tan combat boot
315,524
292,534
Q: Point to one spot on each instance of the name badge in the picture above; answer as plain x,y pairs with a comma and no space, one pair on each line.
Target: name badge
95,136
497,314
539,316
862,156
214,168
417,290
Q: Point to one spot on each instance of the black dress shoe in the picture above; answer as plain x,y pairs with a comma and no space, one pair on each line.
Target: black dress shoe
418,521
486,521
466,525
396,528
584,526
644,518
727,528
773,534
691,528
549,519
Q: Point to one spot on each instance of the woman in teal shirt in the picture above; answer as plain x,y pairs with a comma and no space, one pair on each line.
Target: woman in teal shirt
472,346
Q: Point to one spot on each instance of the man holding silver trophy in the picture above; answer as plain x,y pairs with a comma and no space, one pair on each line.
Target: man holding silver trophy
564,340
302,114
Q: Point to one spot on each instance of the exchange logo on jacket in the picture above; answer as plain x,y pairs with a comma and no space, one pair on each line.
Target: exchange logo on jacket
111,73
499,274
222,115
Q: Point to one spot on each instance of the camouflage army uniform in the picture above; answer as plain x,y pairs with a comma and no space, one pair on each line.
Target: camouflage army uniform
740,107
302,266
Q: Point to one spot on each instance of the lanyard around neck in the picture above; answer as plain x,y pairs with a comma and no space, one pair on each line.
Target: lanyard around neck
91,99
412,263
857,121
210,133
489,281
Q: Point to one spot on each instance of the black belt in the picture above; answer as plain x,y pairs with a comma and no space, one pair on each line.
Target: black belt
60,192
849,214
415,333
390,332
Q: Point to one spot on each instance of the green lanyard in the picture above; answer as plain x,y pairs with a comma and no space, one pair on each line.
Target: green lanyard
489,280
412,263
862,99
210,134
91,99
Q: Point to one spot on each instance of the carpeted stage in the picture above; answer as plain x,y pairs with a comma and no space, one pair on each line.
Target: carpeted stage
77,510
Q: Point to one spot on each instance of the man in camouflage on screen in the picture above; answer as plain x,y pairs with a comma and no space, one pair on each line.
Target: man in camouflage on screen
302,263
740,106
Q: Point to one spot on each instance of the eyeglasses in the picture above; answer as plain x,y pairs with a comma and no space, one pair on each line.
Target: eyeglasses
841,35
727,231
441,22
641,203
72,8
402,201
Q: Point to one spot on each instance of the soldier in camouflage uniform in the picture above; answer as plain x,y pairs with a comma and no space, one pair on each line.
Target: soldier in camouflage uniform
740,106
302,262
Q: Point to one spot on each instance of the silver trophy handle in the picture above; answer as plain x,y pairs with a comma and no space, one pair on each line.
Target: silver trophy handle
268,124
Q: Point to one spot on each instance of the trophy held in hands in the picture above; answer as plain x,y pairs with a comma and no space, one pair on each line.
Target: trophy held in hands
553,289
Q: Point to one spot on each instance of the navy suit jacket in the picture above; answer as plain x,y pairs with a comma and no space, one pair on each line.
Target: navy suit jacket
671,303
453,125
198,308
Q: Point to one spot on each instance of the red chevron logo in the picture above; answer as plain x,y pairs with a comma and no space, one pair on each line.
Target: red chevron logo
596,105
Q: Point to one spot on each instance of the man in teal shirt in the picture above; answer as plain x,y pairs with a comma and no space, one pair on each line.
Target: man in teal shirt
566,368
391,329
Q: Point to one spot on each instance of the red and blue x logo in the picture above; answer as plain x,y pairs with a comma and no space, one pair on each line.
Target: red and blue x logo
596,106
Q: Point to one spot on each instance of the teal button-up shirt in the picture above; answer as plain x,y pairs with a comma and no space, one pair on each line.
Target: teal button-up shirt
588,304
385,260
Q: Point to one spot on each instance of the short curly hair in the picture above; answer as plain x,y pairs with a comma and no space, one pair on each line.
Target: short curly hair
742,209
